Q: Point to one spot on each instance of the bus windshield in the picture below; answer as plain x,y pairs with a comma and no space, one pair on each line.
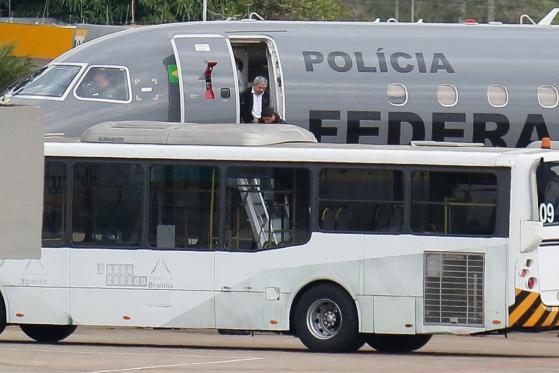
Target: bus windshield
50,82
547,176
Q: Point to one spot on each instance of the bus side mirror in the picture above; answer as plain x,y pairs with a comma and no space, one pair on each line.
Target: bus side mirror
531,234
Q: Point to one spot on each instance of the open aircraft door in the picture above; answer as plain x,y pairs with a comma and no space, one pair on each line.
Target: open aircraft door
207,79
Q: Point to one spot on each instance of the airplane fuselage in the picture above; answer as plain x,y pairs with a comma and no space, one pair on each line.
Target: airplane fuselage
346,82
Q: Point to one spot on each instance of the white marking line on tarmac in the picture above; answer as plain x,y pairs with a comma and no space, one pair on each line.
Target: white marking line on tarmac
228,361
175,365
116,353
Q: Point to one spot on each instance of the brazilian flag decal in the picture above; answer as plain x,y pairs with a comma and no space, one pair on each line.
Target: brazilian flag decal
172,73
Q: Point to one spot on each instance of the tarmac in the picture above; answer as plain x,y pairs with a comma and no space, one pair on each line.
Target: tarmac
104,350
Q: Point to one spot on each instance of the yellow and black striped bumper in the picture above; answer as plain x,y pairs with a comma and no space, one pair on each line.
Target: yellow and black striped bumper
528,312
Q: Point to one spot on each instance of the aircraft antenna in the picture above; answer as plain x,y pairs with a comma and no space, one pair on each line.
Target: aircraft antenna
526,16
255,15
546,21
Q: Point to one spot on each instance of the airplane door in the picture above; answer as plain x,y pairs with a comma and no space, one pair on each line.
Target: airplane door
207,79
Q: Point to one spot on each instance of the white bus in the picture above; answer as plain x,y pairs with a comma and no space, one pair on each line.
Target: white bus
258,228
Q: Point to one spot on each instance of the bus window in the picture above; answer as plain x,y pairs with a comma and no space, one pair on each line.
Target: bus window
266,207
107,204
54,209
547,177
361,200
50,82
453,203
182,206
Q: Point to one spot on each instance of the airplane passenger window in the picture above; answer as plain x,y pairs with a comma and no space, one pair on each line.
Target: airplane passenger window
547,96
104,83
447,95
51,82
497,95
397,94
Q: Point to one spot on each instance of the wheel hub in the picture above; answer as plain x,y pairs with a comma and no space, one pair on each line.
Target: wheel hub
324,318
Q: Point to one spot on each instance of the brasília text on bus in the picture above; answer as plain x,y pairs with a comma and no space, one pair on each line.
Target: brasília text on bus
259,228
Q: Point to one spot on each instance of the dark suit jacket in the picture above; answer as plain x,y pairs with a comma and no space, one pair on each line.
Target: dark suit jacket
246,104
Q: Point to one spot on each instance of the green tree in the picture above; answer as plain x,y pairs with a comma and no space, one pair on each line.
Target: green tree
161,11
301,9
12,68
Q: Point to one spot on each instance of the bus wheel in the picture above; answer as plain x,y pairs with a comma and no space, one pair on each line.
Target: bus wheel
397,342
326,320
48,333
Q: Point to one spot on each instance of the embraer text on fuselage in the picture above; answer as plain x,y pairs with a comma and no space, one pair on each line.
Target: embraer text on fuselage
379,61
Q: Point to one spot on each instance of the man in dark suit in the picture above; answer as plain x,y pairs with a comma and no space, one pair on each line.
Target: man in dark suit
254,99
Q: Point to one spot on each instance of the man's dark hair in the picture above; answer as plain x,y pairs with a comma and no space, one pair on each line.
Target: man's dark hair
268,112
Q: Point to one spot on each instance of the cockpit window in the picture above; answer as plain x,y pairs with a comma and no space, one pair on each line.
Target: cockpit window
547,176
52,81
104,83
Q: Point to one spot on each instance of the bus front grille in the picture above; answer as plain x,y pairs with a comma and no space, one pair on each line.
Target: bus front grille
453,288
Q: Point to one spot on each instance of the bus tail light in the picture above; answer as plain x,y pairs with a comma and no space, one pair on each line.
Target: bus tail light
532,282
524,272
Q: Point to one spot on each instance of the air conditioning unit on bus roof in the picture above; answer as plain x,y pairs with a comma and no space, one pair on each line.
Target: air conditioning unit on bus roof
231,134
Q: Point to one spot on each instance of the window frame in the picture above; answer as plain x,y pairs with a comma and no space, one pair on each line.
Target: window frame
63,241
429,202
502,174
312,193
148,164
72,84
129,85
455,92
506,94
142,238
366,167
556,96
545,225
405,91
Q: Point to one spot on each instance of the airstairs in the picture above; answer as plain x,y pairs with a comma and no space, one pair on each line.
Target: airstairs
269,229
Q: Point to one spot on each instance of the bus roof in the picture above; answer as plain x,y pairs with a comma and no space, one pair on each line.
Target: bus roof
259,142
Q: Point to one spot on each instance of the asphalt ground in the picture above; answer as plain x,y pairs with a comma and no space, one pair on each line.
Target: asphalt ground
100,350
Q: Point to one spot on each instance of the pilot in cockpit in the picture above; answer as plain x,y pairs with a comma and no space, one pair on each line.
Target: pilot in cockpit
100,86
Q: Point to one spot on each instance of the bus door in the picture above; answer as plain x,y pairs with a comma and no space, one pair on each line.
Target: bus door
207,79
547,176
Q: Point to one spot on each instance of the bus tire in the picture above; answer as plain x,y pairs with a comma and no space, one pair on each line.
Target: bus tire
397,342
326,320
48,333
